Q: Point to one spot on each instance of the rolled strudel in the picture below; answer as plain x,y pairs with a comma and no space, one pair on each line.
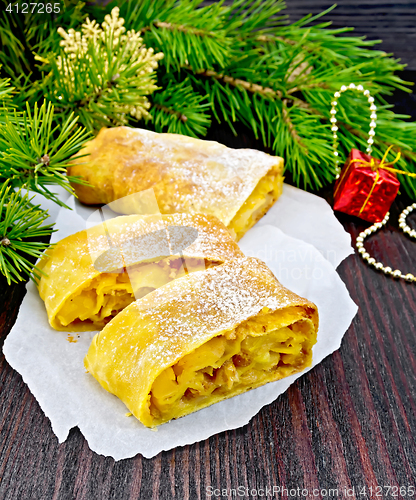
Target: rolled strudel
188,175
94,274
203,338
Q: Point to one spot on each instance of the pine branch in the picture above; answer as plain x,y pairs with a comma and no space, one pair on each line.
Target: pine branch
248,18
292,130
6,91
41,30
103,76
29,38
35,152
240,61
179,109
237,82
15,56
160,107
20,223
179,27
185,32
303,67
141,14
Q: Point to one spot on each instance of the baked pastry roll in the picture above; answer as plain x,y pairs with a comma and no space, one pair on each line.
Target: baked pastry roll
188,175
203,338
94,274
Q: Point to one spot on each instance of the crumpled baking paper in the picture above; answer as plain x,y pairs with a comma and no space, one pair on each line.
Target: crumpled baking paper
297,213
310,218
53,367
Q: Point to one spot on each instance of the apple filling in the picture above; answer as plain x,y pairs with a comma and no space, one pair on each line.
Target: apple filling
261,199
94,305
229,364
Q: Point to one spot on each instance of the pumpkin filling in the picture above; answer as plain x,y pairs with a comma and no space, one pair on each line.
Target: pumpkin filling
229,364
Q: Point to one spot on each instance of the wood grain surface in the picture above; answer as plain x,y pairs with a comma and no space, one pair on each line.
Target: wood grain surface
347,427
349,423
394,23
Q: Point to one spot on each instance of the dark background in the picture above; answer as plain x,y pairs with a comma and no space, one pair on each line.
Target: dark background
394,24
350,422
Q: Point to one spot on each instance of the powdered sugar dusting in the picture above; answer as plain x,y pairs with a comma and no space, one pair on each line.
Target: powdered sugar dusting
125,241
146,236
206,302
187,175
215,176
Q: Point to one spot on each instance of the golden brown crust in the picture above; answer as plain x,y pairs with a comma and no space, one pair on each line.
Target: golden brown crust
157,331
69,265
187,175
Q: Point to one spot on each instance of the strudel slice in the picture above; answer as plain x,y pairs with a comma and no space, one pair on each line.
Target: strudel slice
94,274
203,338
187,175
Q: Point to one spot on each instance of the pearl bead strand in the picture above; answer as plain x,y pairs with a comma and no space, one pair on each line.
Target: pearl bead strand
333,119
378,225
375,227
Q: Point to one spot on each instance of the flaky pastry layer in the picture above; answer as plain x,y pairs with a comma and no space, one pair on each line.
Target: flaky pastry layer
187,175
88,281
203,338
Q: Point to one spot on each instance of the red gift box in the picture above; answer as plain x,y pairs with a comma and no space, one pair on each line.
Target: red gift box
365,187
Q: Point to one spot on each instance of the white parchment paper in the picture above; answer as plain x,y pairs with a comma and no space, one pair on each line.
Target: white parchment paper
310,218
53,367
297,213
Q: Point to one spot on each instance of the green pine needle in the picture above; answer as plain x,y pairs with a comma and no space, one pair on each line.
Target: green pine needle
229,62
20,222
242,58
104,77
35,151
178,109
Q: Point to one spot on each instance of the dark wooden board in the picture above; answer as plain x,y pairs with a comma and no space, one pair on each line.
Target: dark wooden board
349,423
393,23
